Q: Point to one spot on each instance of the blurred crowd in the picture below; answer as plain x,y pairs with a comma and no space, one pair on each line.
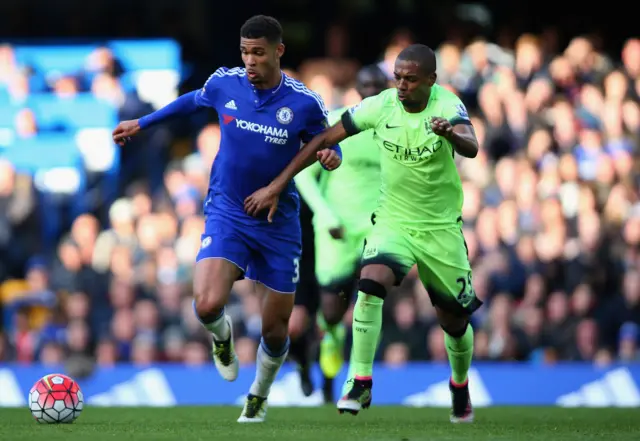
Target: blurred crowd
551,213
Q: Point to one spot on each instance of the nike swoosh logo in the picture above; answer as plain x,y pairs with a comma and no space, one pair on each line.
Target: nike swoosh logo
361,321
392,127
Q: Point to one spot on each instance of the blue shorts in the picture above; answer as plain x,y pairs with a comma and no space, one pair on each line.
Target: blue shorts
267,254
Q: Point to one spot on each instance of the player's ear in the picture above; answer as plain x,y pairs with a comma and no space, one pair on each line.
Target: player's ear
280,50
432,78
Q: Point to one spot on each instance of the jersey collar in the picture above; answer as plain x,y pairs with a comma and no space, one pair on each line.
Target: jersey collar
255,91
273,91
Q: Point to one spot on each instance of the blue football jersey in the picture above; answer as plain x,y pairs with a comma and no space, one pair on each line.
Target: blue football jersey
262,130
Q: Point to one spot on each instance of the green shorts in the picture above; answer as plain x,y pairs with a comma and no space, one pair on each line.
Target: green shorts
441,257
337,261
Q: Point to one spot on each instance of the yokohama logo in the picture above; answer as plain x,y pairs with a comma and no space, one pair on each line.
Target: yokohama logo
262,129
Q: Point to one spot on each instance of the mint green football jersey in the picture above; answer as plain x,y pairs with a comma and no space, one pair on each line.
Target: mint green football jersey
420,186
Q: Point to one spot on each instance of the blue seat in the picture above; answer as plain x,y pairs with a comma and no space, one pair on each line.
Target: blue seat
147,54
83,111
44,158
67,59
44,152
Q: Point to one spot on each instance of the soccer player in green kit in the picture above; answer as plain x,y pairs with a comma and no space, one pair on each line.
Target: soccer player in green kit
341,221
419,128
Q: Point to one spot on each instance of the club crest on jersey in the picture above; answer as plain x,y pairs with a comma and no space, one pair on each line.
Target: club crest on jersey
284,115
427,126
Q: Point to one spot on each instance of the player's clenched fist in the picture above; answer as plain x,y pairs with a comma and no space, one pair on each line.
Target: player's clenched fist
125,130
441,126
260,200
329,159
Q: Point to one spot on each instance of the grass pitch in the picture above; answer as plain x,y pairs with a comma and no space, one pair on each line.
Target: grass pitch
324,424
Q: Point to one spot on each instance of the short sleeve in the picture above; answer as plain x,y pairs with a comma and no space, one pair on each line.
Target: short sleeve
456,112
206,97
316,121
362,116
334,116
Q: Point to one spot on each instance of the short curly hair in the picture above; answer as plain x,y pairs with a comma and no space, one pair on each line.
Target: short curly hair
262,26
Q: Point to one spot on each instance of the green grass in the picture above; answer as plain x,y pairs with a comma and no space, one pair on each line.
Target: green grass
324,424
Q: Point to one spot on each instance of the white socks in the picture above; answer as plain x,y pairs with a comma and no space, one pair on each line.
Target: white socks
219,327
267,366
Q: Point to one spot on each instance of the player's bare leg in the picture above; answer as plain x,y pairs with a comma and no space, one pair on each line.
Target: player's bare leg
333,307
459,345
299,330
375,281
212,283
272,353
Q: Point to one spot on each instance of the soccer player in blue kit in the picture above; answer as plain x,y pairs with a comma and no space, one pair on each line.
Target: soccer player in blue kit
265,116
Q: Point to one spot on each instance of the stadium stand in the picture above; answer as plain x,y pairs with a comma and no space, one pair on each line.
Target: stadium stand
96,246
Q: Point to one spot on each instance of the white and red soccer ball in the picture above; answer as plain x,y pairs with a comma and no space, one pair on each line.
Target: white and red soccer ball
55,398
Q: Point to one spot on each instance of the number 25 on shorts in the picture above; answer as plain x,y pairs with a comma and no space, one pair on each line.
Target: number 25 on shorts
466,294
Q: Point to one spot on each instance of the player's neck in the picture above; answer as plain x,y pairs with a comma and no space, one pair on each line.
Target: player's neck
417,106
272,81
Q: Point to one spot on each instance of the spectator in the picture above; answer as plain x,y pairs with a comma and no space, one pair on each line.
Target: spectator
551,217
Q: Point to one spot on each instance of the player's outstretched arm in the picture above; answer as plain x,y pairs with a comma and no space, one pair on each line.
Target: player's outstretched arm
461,136
184,105
267,197
309,153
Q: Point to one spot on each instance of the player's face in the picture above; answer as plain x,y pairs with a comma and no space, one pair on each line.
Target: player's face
260,58
413,85
370,85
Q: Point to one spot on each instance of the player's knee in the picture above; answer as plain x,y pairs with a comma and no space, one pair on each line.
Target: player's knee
380,273
296,329
372,288
455,328
454,324
333,308
299,322
209,301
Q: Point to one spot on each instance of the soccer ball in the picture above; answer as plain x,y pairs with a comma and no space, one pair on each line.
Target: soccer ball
54,399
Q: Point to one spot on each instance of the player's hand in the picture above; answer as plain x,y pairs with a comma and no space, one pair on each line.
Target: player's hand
337,233
125,130
261,200
329,159
441,127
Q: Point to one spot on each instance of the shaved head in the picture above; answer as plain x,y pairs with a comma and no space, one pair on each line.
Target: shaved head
420,54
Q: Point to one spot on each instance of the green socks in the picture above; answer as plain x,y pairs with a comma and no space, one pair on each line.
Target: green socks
337,331
367,321
350,375
460,352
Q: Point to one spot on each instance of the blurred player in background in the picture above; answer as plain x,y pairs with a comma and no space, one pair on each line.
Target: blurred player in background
302,330
419,128
264,115
342,203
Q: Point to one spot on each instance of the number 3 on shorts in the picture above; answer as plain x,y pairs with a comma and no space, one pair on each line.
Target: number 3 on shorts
296,270
466,294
